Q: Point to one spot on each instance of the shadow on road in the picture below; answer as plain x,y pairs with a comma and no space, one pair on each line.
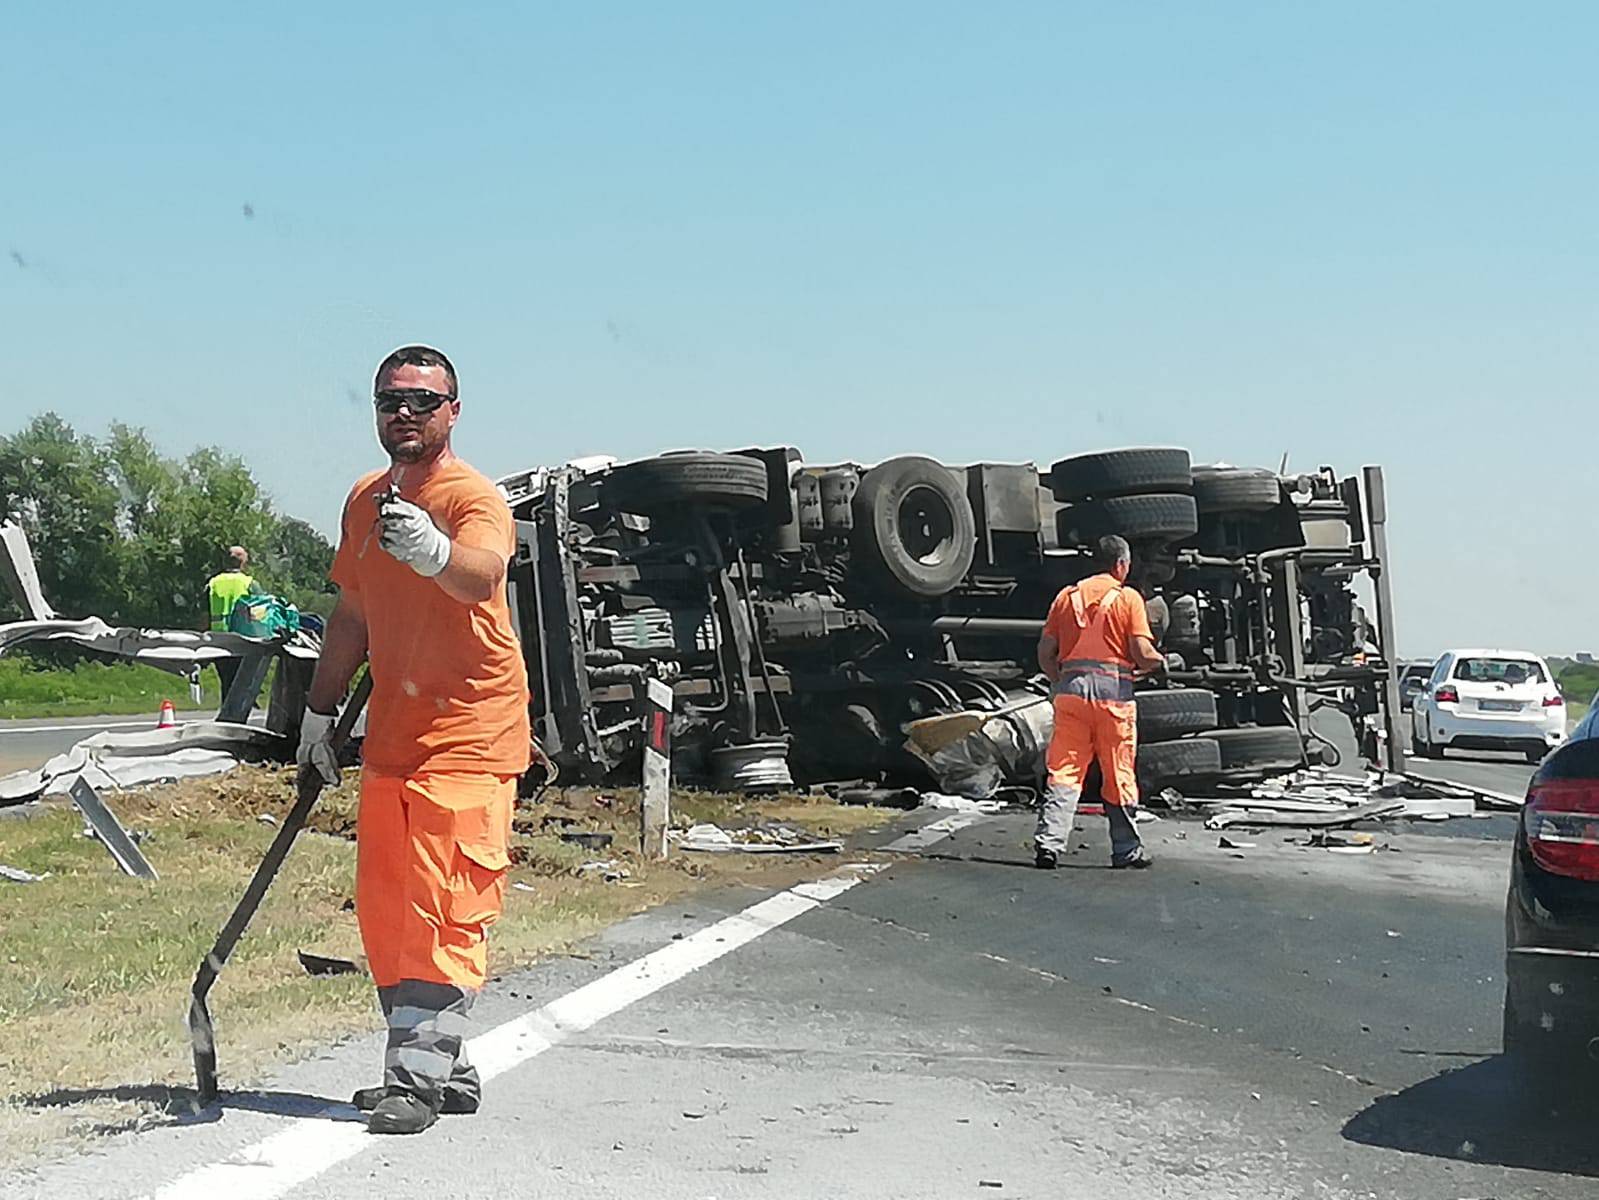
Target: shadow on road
180,1106
1479,1114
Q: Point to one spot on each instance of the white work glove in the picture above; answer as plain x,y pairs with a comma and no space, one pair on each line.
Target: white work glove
410,535
316,745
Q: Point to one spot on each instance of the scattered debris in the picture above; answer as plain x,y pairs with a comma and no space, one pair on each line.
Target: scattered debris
523,887
18,875
608,869
266,818
1343,815
880,797
942,800
779,839
588,839
109,831
322,964
1227,843
1315,797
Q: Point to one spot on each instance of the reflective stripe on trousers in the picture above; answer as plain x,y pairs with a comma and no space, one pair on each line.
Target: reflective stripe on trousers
427,1040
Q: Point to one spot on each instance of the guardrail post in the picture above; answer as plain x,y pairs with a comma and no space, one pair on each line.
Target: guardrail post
1377,513
656,806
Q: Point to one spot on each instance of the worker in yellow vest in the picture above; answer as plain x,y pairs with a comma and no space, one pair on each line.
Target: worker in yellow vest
223,590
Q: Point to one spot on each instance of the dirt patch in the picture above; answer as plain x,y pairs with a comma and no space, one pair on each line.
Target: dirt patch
96,966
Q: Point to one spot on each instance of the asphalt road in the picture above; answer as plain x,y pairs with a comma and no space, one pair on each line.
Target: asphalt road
26,745
1272,1021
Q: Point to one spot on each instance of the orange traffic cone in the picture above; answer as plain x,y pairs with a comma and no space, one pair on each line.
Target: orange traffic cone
169,716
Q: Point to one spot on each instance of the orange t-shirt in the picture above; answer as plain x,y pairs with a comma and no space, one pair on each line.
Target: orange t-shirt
449,686
1127,619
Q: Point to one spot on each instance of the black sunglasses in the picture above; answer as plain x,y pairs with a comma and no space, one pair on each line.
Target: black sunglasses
418,400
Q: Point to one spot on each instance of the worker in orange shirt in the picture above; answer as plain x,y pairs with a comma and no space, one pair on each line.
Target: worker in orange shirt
421,569
1095,639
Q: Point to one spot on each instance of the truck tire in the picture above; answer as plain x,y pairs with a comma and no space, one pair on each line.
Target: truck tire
1184,758
1158,517
1259,748
1236,489
914,527
1121,473
691,477
1163,716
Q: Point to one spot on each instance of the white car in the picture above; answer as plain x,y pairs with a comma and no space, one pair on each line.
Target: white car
1488,700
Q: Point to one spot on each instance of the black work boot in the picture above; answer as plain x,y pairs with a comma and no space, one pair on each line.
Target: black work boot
1045,860
456,1101
401,1112
1137,859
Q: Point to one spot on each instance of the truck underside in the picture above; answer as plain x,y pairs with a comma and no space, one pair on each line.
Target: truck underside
806,614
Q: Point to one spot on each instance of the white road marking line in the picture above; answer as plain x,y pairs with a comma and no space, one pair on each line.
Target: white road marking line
24,729
924,837
273,1166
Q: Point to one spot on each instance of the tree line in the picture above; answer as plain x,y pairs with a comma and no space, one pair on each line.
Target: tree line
123,532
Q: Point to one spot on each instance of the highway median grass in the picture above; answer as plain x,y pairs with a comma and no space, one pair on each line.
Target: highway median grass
29,688
96,965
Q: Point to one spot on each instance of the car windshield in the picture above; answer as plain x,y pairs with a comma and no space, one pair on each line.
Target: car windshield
1499,670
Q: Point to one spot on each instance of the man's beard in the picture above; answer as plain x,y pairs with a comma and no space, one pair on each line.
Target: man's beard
406,447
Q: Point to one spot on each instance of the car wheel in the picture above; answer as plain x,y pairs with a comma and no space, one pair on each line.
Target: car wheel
1163,716
914,527
1162,518
1121,473
718,480
1259,748
1236,489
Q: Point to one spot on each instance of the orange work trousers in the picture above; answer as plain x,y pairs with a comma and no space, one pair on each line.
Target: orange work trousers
1090,729
431,858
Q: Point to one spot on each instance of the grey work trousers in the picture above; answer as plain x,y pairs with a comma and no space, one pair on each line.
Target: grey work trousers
1056,812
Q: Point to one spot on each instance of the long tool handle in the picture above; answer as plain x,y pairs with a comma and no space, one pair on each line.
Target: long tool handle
309,785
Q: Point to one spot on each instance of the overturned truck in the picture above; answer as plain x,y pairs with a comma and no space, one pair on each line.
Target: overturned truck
806,614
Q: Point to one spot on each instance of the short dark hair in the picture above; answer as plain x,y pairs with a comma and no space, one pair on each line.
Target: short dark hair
1111,550
418,356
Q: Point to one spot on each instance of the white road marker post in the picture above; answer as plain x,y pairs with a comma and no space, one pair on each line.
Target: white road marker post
656,807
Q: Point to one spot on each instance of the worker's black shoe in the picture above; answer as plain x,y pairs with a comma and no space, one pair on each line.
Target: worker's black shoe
1137,860
1045,860
456,1102
401,1112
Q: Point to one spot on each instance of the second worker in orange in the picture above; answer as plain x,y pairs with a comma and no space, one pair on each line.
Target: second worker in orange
1095,640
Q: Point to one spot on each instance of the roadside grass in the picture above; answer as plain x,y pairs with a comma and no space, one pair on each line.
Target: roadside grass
89,688
1576,710
96,966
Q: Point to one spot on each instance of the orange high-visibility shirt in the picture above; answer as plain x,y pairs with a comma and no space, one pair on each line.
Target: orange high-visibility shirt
449,685
1108,641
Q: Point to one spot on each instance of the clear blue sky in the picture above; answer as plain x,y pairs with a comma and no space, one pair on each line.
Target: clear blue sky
1354,232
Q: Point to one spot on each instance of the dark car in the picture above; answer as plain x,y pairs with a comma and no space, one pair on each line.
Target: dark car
1552,916
1412,678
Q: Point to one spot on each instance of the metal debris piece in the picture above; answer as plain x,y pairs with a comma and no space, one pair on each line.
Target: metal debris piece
1318,820
588,839
18,875
608,870
1227,843
322,964
110,832
776,840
